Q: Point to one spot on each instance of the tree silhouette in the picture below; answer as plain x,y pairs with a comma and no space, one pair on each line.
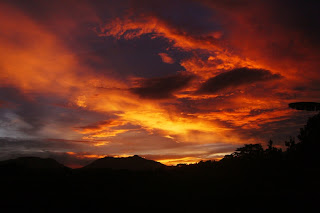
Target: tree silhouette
291,144
249,151
270,145
272,152
310,133
309,138
308,147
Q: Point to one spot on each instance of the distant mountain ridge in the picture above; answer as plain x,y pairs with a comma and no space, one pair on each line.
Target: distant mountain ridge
116,163
32,163
127,163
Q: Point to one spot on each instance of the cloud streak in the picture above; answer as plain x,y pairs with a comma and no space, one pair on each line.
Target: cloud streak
236,78
161,88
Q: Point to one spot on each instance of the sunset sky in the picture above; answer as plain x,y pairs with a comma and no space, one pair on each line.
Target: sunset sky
177,81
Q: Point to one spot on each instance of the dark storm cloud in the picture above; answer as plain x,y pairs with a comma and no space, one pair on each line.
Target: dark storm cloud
235,78
161,88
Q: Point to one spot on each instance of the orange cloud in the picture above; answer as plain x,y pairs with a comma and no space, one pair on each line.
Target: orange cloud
34,59
221,59
99,126
166,58
130,29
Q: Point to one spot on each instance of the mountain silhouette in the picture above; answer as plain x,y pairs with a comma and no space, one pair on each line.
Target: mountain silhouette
31,163
127,163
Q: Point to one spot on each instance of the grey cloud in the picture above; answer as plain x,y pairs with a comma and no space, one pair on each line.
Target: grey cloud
235,78
163,87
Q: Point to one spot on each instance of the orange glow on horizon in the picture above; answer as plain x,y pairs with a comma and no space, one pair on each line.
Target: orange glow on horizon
176,161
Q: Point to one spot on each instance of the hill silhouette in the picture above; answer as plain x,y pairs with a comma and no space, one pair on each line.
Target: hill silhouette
32,163
127,163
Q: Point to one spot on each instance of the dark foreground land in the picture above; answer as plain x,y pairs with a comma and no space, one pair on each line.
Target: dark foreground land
178,189
252,178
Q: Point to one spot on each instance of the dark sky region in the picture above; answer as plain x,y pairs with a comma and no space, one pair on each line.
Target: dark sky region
175,81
